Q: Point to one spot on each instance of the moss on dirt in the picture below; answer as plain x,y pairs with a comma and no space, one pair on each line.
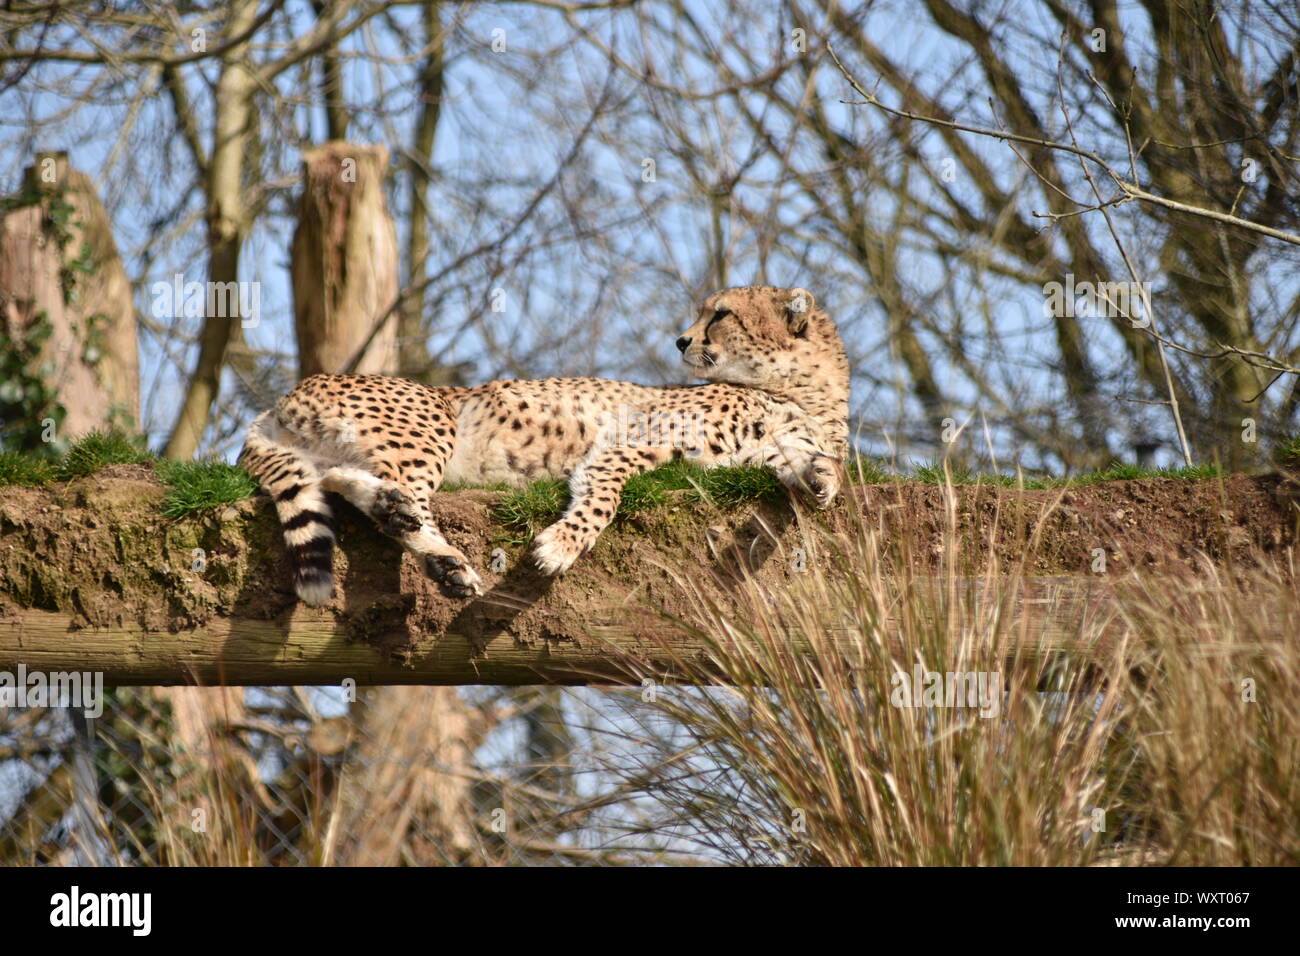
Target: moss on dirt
525,511
99,548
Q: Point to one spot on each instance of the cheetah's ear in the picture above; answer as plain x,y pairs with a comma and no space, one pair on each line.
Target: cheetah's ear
799,302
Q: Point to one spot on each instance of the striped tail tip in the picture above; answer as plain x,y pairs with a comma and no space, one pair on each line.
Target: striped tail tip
312,559
313,585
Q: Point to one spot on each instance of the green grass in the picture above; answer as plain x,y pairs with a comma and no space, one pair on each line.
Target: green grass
724,487
941,473
1123,472
87,455
937,474
533,507
98,450
731,487
537,505
1288,453
197,486
26,470
868,471
194,486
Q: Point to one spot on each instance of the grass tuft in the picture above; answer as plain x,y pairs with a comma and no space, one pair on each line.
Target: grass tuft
868,471
1288,453
194,486
724,487
650,488
733,487
98,450
532,508
940,473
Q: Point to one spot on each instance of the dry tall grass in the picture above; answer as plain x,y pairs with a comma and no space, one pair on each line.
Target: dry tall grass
1166,732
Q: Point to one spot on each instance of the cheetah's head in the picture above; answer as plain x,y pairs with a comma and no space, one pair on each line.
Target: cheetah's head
757,336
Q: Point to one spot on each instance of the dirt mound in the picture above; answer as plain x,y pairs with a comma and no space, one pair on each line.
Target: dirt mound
96,555
1164,525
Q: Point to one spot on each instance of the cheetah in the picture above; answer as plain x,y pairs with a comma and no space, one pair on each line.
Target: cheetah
775,393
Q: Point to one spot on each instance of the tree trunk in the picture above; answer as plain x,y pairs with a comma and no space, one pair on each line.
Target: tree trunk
413,786
228,223
65,310
415,361
344,261
409,785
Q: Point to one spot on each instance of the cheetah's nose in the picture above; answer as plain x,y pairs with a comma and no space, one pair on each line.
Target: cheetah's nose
683,343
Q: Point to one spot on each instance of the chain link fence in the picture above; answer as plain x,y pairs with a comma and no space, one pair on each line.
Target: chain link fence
322,776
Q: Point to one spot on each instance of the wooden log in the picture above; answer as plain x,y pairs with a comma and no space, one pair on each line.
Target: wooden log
310,647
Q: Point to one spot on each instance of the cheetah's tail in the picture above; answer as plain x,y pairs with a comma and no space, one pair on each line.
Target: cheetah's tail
293,482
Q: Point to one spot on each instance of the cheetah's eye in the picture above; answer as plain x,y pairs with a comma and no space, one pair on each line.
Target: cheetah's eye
717,317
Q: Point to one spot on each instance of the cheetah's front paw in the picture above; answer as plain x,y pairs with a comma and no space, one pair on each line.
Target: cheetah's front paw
555,549
395,512
455,575
825,477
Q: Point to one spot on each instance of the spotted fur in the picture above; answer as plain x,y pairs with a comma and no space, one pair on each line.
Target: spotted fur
776,394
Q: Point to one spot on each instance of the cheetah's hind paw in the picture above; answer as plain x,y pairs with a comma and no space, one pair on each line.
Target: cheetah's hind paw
454,574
